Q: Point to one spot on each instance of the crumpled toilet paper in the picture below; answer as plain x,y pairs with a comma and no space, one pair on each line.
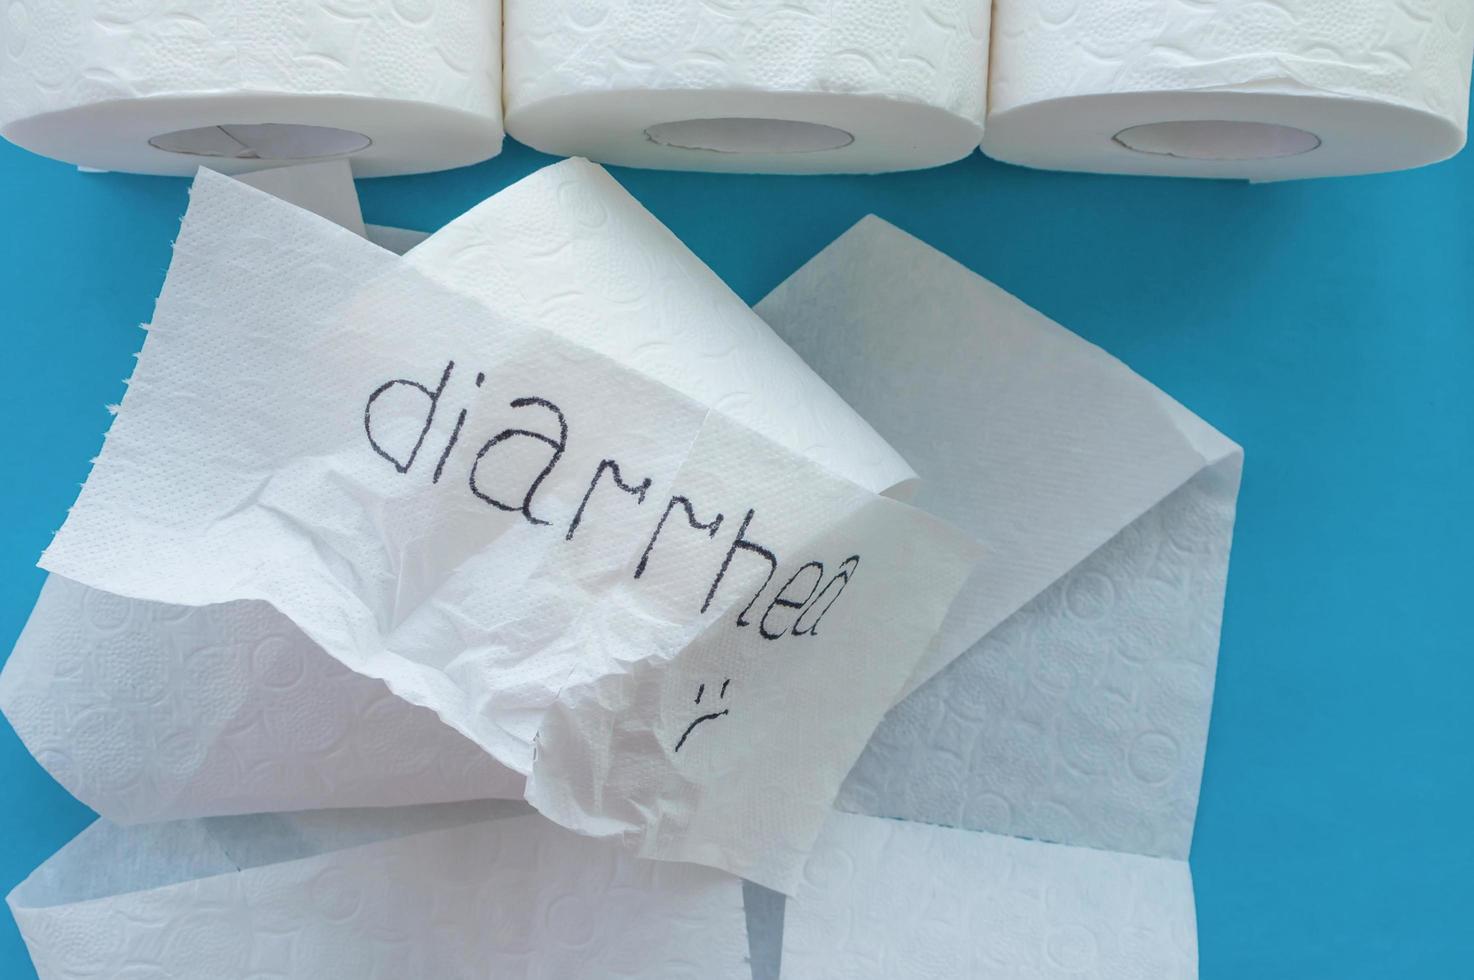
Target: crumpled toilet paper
147,711
212,735
456,890
297,432
892,900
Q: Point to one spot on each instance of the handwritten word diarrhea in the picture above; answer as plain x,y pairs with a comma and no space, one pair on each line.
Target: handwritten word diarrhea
795,609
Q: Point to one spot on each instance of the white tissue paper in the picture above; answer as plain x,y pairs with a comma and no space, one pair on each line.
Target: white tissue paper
457,890
816,86
892,900
1236,88
146,711
457,504
569,249
163,87
1078,713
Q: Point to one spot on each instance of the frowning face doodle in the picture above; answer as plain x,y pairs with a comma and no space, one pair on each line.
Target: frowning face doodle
711,716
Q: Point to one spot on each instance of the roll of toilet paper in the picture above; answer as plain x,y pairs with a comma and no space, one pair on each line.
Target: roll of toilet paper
767,86
1237,88
397,86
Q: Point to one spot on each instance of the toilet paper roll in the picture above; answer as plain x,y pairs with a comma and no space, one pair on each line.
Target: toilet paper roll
397,86
769,86
1236,88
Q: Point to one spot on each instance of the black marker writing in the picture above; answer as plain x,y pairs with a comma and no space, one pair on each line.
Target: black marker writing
781,599
638,490
434,399
740,543
801,592
846,569
710,527
557,445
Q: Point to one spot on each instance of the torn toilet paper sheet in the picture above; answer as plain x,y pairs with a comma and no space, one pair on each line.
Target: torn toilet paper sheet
483,515
456,890
146,711
893,900
570,250
1080,712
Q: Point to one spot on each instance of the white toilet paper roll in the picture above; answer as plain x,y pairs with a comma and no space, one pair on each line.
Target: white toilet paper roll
397,86
1236,88
764,86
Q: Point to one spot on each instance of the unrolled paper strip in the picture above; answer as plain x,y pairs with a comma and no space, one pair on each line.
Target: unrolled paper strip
1080,717
884,900
1080,713
840,86
164,87
502,525
1234,88
570,250
457,890
1065,445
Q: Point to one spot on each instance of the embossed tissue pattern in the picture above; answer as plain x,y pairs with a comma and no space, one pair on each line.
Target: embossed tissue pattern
1084,717
147,711
570,250
57,54
508,897
929,51
901,900
1410,52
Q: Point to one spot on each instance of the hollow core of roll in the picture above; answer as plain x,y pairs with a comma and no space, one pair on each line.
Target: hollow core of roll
262,141
1217,139
748,134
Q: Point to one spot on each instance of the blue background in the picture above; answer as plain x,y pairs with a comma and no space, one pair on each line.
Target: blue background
1327,326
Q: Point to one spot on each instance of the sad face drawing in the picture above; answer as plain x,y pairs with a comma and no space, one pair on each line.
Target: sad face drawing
709,716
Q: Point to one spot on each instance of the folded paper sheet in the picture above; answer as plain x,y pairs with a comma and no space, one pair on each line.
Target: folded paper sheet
1081,715
456,890
892,900
511,530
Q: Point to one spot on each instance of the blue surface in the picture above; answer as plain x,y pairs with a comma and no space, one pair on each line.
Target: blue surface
1327,326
